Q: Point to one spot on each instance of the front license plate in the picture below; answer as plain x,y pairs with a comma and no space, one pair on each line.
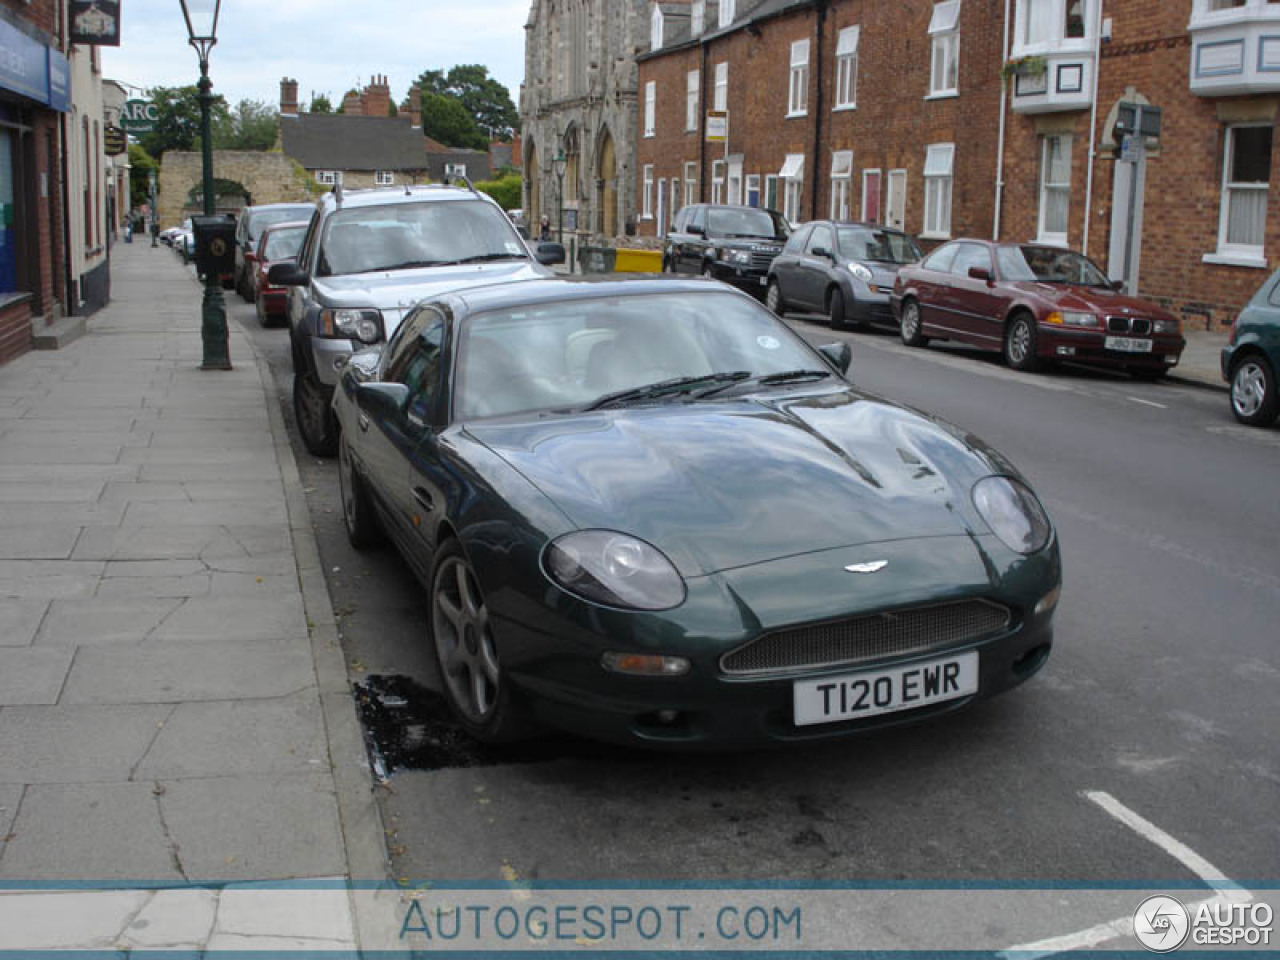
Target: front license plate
763,281
1128,344
857,695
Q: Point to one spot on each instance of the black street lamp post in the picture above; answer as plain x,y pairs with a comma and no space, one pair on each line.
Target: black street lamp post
202,28
558,163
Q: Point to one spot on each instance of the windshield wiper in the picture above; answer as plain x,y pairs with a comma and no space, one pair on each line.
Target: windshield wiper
482,257
406,265
663,388
772,379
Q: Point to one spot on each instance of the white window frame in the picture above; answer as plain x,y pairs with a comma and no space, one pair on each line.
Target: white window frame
698,17
450,170
733,182
329,178
384,178
1047,187
650,107
846,96
690,182
798,81
656,24
944,61
646,192
1055,39
1246,254
753,185
692,89
792,186
720,100
939,181
718,170
841,184
727,12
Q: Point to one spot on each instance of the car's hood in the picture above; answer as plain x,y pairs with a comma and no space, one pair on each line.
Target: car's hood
1093,299
728,483
395,291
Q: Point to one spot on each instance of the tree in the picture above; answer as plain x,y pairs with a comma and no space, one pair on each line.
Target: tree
320,104
487,100
141,164
444,118
506,190
250,126
178,120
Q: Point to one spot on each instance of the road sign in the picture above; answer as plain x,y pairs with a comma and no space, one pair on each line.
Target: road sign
718,125
139,116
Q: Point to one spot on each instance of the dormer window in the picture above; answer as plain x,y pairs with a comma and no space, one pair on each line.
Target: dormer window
656,25
698,17
727,13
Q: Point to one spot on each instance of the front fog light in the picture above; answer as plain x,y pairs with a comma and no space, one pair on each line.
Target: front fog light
645,664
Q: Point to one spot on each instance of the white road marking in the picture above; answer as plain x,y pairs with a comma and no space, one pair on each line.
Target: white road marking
1149,403
1226,891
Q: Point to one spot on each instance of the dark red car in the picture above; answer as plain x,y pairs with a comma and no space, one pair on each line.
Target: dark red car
277,244
1034,303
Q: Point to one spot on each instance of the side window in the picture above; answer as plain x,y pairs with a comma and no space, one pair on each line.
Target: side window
821,237
308,239
970,255
699,218
418,365
678,226
940,259
797,241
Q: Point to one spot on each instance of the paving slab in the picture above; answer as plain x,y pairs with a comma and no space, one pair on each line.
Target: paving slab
255,828
46,473
84,514
45,579
76,744
11,492
66,920
183,542
89,831
118,588
316,911
81,622
243,491
19,620
187,456
260,469
10,798
131,491
258,616
37,541
238,738
32,674
226,670
48,452
172,919
204,513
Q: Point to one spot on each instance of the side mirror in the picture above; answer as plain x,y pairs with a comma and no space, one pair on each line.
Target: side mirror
382,400
287,275
1117,286
980,273
839,355
697,231
821,252
549,253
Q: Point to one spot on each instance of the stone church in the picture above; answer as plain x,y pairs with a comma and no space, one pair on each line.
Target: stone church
579,98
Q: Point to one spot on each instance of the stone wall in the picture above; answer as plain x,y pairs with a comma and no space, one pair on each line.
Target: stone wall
267,178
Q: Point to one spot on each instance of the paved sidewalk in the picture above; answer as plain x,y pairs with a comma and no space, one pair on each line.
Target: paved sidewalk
1201,362
173,699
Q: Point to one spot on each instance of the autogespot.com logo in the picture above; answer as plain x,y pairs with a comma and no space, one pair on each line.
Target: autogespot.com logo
1161,924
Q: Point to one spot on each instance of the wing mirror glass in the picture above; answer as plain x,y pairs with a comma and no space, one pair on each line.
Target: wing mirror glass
382,400
980,273
839,355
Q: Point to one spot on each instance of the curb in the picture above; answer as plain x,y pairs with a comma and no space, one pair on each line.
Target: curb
1198,383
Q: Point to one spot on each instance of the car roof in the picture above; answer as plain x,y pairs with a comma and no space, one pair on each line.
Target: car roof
381,196
299,205
583,287
285,225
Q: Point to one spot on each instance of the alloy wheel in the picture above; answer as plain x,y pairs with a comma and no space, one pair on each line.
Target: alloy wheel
464,641
1253,399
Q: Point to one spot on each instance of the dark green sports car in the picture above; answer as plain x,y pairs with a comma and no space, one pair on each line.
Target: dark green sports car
647,511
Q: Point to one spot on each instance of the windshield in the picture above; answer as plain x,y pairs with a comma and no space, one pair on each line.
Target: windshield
261,219
879,246
281,244
403,235
1049,265
568,354
746,222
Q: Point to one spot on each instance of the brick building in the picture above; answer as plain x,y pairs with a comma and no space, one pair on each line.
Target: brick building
900,113
35,79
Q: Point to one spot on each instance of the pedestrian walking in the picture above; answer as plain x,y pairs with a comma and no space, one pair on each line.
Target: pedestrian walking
544,228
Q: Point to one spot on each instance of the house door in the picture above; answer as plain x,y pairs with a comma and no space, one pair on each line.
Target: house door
871,196
896,215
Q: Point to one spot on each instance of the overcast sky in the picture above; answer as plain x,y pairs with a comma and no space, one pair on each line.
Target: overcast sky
328,46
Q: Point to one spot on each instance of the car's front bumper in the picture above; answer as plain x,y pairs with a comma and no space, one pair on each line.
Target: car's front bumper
1056,342
752,280
274,300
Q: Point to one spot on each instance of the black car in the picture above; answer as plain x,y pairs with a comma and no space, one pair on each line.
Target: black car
729,243
845,270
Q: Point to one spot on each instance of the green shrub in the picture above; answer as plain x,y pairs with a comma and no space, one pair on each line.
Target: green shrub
507,191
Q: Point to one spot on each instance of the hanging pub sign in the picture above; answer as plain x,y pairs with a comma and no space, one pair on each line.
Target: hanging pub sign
95,22
138,116
114,140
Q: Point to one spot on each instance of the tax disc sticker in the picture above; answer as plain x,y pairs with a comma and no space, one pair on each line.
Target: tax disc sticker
769,343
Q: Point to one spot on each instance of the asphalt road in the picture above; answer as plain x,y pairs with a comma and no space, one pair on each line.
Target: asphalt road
1161,690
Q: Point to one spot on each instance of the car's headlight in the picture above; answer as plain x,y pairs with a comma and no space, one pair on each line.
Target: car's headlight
1013,513
614,569
1172,325
362,325
1068,318
739,257
861,272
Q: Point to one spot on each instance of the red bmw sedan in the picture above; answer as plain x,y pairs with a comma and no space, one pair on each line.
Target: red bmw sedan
1035,304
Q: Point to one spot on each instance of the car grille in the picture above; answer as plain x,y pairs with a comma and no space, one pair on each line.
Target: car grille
1139,325
760,260
895,633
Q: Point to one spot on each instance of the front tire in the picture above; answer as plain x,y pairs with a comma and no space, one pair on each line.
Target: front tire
474,681
1020,344
773,298
1254,399
909,325
316,423
835,309
363,529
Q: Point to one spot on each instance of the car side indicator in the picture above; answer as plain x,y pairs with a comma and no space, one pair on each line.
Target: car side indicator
873,566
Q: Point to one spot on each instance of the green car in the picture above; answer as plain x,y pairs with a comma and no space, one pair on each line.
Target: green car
1252,356
647,511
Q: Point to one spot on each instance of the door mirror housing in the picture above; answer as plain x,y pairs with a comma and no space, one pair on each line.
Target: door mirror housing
287,275
697,231
382,400
981,273
821,252
839,355
548,253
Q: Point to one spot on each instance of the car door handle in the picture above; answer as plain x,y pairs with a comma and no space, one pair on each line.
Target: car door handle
362,418
423,498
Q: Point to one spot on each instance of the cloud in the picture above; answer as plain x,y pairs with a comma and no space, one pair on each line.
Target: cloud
328,46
